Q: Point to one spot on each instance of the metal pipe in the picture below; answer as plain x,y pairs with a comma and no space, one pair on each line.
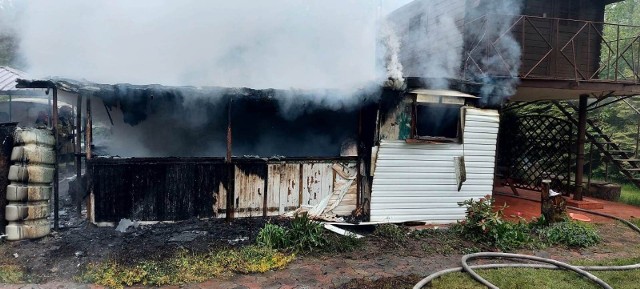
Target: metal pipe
582,131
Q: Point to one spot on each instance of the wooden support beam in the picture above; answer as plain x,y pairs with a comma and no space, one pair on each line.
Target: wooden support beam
78,155
56,185
87,147
582,131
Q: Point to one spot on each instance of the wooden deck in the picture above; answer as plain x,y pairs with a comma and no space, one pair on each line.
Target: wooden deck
528,206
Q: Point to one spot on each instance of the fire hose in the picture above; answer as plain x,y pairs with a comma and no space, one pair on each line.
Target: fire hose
554,264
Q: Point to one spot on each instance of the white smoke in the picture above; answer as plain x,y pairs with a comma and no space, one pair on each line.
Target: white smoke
391,45
433,41
260,44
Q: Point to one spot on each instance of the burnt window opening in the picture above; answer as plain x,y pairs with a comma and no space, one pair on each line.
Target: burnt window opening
437,122
437,115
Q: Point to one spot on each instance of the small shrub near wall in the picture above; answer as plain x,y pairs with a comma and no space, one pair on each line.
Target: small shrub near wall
305,236
486,225
571,234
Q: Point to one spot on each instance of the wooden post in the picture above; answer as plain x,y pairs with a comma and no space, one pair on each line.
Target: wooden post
229,135
546,207
87,147
230,211
78,150
582,131
553,208
590,166
56,185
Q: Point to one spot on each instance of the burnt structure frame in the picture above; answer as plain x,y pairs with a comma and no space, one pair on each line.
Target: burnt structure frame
366,116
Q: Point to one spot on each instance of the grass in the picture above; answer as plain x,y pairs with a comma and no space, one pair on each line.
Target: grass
630,195
391,233
443,242
186,267
10,274
533,279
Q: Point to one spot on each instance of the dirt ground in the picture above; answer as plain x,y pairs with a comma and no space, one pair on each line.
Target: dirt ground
54,261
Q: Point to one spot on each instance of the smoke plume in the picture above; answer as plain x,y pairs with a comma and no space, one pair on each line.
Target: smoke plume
434,39
391,46
243,43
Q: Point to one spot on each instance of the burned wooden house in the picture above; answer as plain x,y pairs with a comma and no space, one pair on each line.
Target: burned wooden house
156,153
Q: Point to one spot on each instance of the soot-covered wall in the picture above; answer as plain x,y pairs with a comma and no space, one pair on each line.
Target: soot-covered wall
261,128
155,121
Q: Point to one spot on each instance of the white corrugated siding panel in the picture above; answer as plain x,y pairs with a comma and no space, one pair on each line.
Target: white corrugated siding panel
416,182
8,77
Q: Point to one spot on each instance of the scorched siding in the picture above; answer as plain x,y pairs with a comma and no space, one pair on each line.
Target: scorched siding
417,182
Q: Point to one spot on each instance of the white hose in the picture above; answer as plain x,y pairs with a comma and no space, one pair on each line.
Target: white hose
556,264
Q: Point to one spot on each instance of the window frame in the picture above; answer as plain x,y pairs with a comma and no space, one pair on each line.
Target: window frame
431,98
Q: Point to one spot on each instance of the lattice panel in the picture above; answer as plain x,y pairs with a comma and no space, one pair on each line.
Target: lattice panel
533,147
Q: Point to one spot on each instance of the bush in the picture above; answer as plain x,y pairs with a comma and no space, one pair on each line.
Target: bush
304,236
571,233
272,236
484,225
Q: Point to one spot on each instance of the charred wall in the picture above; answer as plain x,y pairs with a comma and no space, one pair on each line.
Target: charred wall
170,189
156,189
188,122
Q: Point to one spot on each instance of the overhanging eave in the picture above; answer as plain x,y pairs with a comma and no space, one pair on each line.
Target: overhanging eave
543,89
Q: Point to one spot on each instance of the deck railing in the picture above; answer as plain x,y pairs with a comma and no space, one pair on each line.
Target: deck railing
551,48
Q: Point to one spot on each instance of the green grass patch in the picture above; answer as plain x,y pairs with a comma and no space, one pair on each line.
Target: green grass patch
630,195
571,234
392,233
522,278
534,279
10,274
186,267
443,242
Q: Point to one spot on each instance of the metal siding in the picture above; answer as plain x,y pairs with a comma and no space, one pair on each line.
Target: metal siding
416,182
8,77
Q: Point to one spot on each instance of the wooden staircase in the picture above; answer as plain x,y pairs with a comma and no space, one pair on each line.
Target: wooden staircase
625,160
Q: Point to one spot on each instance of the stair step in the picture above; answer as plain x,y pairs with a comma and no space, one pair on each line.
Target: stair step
620,152
633,170
627,160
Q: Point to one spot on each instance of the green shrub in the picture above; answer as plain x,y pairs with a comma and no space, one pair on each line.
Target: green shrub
571,233
304,236
272,236
392,233
485,225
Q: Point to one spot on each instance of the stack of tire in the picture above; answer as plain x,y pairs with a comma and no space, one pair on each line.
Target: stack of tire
31,175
